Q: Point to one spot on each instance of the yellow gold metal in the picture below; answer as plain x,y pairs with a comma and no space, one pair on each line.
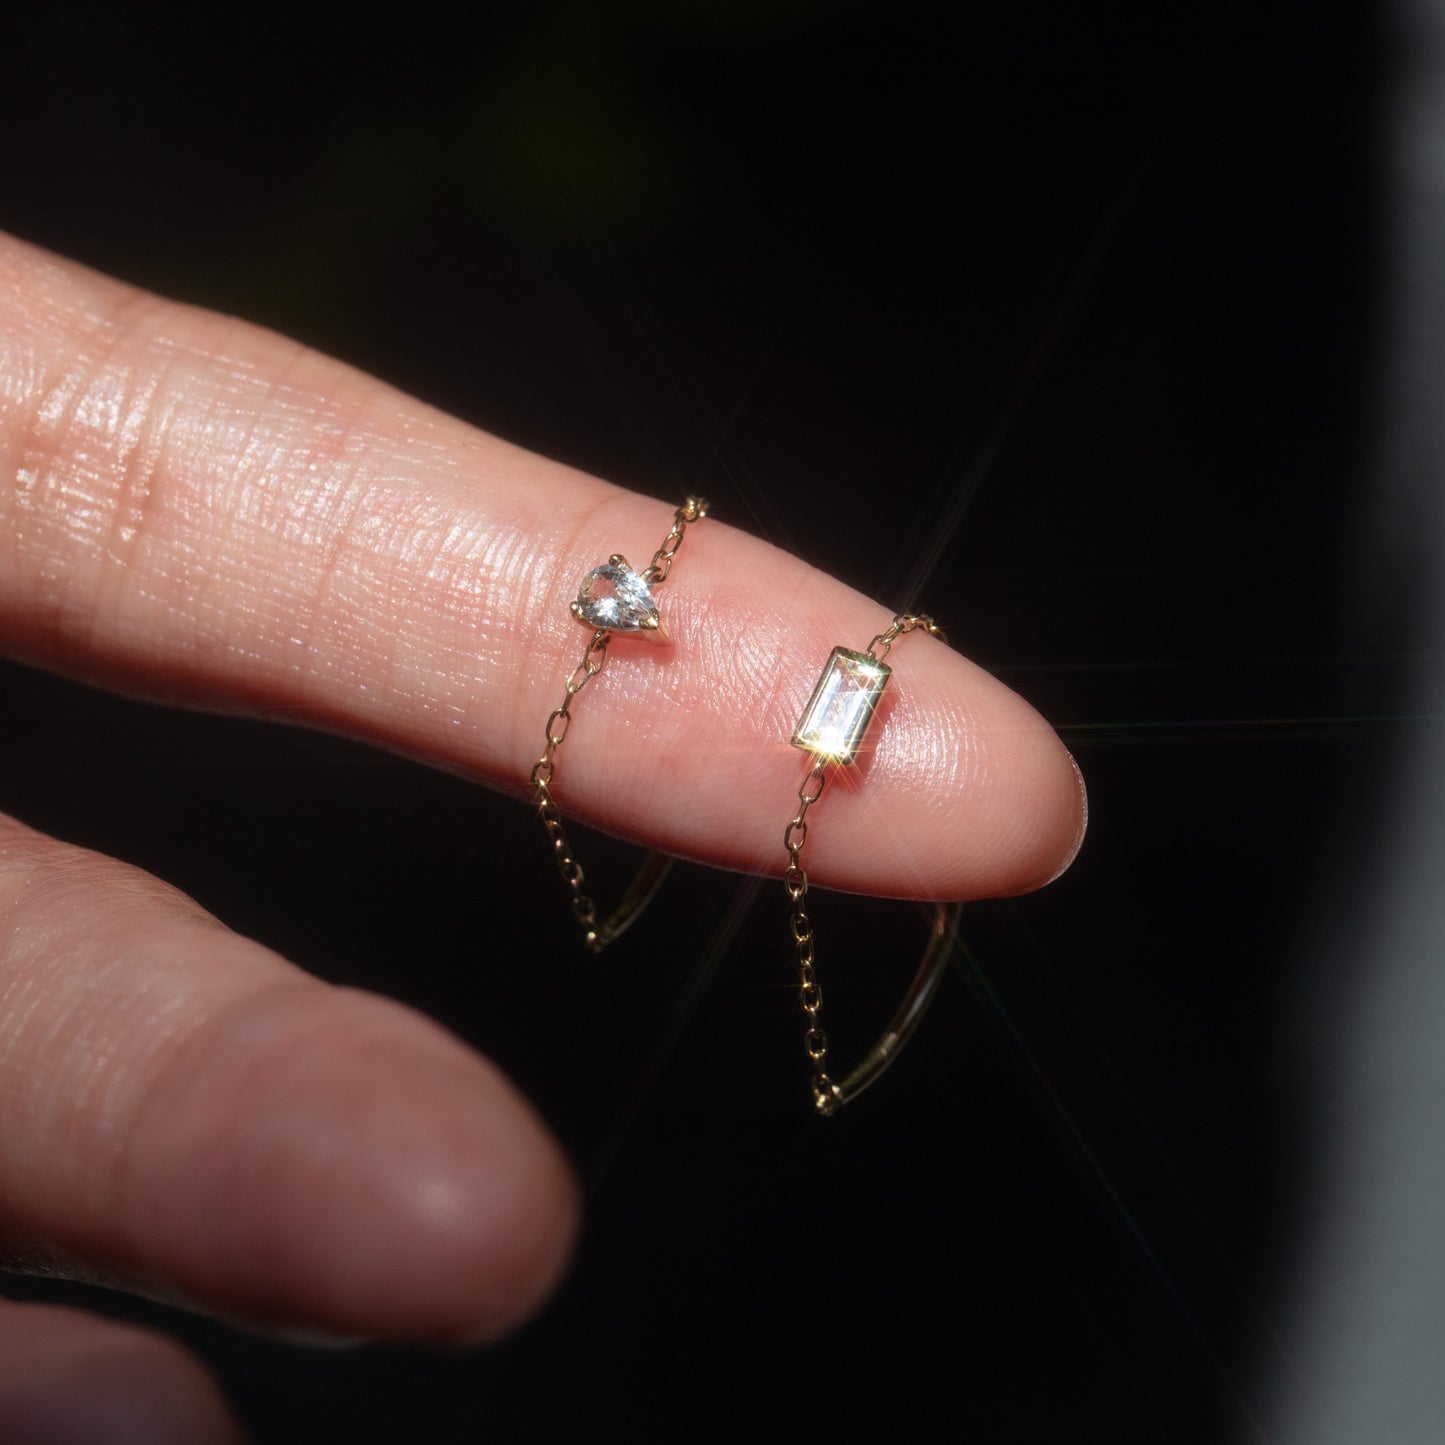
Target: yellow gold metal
597,932
832,731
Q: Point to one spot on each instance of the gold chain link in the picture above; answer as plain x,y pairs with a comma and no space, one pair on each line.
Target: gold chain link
692,510
826,1095
905,622
596,936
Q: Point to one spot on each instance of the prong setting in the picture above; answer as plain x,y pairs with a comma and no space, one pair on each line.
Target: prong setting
614,598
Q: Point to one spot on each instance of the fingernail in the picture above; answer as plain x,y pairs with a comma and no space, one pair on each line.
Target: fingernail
1083,818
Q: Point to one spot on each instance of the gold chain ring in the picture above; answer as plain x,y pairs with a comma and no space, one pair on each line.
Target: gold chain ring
832,729
612,600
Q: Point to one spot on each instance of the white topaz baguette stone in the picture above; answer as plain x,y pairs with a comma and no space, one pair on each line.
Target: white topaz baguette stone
841,707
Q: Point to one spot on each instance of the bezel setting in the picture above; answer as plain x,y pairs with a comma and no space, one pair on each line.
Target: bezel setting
842,705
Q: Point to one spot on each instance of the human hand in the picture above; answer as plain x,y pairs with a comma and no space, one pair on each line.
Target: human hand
207,514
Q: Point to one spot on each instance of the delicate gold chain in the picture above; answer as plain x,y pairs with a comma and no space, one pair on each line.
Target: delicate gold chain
597,935
692,510
583,908
795,880
826,1094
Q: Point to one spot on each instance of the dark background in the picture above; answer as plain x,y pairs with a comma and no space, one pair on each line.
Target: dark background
1059,320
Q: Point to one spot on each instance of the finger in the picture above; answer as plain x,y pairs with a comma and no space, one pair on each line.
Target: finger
184,1113
212,514
67,1378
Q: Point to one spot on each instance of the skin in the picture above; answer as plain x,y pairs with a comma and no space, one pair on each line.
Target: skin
203,512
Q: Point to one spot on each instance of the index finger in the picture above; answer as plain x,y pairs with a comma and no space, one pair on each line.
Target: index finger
210,514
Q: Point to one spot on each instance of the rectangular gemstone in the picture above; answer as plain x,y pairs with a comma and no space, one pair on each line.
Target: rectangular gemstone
841,707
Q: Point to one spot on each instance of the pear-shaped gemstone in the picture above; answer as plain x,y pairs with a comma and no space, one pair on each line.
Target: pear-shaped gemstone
615,597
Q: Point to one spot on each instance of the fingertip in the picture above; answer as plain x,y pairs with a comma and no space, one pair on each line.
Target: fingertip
369,1176
970,793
